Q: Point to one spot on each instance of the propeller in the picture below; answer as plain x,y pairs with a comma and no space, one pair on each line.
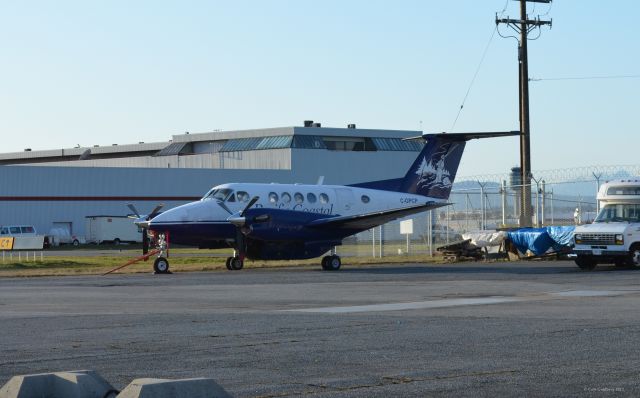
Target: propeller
142,221
240,220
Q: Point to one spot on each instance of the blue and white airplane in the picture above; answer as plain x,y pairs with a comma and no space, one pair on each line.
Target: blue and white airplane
296,221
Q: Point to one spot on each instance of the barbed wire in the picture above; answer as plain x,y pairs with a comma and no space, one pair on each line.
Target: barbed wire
575,174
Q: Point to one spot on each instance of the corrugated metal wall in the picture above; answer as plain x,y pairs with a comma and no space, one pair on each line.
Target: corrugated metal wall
272,159
38,195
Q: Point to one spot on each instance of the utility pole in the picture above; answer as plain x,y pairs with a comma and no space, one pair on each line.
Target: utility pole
523,26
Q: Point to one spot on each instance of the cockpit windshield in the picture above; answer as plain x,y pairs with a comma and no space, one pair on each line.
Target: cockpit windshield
219,194
619,212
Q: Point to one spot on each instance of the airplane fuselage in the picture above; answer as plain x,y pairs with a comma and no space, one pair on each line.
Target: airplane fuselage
205,223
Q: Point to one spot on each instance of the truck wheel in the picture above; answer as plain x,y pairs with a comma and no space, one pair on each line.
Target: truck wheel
76,242
586,263
116,241
634,255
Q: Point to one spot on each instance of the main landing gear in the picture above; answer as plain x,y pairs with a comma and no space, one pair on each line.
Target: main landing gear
331,263
234,263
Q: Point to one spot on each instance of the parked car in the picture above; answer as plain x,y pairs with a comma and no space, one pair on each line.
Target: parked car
17,230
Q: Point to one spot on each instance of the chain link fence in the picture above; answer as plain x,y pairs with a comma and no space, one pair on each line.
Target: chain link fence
490,203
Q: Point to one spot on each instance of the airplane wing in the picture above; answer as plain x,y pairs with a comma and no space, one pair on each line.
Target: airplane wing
370,220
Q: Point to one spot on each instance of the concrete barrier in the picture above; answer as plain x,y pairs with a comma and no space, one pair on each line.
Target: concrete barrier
72,384
183,388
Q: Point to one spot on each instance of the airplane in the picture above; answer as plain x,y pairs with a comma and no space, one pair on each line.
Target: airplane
298,221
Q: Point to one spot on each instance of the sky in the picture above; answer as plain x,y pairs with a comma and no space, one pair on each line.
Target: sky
119,72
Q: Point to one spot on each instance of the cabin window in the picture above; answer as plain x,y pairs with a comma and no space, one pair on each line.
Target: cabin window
231,198
298,197
311,198
286,198
273,197
623,191
4,231
242,196
324,198
14,230
27,230
365,199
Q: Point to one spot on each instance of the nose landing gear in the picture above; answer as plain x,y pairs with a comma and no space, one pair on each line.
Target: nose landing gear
161,264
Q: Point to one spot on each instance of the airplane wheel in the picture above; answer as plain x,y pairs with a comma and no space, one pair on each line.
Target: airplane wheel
334,263
325,262
161,266
228,263
236,263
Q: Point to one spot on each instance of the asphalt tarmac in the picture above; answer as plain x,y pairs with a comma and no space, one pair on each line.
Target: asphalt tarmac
469,329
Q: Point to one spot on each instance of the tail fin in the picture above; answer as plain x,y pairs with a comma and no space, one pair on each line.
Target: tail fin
434,170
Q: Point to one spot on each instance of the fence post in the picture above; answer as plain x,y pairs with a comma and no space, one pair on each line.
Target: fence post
467,212
544,195
503,192
551,198
482,215
537,204
447,224
373,242
429,231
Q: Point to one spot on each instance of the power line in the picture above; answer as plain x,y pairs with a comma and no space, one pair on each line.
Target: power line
533,79
464,100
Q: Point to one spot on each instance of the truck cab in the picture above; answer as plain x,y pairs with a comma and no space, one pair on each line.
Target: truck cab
614,235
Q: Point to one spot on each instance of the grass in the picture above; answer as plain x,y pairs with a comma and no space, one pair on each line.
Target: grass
182,260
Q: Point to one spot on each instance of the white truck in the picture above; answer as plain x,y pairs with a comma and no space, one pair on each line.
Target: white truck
115,229
614,235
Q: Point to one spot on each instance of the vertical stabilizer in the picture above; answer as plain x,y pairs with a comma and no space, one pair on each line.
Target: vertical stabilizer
433,172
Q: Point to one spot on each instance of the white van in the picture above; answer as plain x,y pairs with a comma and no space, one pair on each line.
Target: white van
614,236
17,230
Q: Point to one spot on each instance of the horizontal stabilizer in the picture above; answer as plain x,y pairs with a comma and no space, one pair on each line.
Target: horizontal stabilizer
465,136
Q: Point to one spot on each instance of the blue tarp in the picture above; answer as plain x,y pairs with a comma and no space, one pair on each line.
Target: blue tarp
563,236
539,240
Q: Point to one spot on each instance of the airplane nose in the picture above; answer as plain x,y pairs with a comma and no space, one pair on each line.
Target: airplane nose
174,215
189,213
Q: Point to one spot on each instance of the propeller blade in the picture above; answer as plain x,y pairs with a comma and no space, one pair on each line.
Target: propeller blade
251,203
221,204
133,209
155,211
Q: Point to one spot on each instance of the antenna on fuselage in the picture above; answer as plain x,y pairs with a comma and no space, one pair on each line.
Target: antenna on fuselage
320,180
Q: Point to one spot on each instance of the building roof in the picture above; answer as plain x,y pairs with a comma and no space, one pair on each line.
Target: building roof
183,143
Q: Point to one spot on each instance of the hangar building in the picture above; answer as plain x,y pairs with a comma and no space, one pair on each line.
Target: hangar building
59,188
